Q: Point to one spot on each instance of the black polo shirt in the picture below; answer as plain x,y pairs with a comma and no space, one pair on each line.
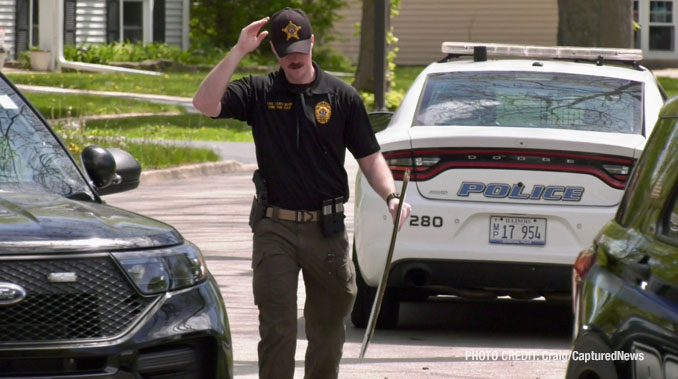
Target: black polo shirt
301,134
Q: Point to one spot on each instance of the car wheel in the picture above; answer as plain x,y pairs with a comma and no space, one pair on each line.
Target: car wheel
390,306
591,369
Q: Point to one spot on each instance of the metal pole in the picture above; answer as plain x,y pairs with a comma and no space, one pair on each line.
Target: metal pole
380,15
381,290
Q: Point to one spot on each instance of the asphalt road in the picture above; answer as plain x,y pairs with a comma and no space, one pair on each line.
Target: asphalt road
446,338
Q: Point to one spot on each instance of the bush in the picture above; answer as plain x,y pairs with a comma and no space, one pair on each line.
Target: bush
138,51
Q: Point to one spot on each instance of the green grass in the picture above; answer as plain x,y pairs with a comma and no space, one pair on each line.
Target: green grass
405,75
184,127
670,86
149,155
171,84
65,105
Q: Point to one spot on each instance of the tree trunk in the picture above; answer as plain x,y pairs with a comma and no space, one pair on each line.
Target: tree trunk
364,73
595,23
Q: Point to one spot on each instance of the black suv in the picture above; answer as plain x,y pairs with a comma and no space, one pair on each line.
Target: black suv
89,290
626,284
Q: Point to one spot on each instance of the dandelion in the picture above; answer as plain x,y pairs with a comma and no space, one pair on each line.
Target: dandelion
166,76
74,148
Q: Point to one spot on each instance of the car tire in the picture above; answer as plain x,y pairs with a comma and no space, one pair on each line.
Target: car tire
592,369
390,305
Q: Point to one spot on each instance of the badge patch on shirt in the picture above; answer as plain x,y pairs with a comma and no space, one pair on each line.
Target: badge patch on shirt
323,112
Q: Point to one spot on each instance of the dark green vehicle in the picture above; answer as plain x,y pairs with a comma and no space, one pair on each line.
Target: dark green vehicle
626,283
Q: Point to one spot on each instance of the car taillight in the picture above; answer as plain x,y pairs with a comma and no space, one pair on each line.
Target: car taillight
582,265
584,262
427,163
400,161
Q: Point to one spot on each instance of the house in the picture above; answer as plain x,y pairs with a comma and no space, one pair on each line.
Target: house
96,21
423,25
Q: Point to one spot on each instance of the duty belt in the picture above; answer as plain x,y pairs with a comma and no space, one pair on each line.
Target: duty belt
291,215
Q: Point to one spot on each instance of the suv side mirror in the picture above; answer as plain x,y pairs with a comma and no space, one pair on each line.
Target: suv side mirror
111,170
380,120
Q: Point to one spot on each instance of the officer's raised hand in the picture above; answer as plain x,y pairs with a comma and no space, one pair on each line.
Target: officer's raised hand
250,38
208,98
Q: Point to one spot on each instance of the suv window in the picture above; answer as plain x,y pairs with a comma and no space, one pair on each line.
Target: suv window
535,100
31,159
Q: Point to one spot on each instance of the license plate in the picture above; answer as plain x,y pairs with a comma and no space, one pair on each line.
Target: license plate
517,230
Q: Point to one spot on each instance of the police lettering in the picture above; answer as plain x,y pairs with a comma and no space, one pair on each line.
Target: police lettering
515,191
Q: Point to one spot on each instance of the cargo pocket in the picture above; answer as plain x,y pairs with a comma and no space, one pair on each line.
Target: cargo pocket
258,242
344,269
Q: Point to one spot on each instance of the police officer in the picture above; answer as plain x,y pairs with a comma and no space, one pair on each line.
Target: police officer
302,119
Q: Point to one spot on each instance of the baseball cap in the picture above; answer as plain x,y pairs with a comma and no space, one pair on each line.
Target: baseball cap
291,32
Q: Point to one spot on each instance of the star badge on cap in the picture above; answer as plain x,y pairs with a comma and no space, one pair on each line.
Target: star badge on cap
291,30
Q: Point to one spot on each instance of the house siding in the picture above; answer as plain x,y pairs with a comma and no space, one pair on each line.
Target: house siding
90,21
174,22
423,25
8,22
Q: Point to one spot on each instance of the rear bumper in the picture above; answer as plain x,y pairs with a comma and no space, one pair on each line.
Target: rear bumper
458,231
467,278
186,335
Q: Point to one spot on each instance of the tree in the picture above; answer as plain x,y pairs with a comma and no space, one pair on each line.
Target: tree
596,23
217,23
364,75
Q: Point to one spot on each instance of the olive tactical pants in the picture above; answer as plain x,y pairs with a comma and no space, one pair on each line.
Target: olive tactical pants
281,249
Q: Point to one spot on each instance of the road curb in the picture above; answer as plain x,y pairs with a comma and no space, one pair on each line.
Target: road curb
195,170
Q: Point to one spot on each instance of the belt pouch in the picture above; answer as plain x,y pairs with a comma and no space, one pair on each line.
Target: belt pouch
257,212
332,218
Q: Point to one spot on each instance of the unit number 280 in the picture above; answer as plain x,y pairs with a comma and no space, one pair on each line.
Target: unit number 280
426,221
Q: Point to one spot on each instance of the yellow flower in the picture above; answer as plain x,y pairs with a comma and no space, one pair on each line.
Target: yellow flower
74,148
138,88
166,76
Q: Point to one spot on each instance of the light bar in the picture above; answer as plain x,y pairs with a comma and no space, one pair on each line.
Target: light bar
563,52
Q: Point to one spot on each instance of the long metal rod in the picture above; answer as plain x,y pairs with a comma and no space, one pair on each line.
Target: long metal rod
379,297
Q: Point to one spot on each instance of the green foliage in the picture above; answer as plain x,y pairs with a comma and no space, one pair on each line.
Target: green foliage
172,84
138,51
218,23
670,86
184,127
25,59
392,99
76,106
150,155
330,59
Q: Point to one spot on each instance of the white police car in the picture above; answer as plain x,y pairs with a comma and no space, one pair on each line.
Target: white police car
517,163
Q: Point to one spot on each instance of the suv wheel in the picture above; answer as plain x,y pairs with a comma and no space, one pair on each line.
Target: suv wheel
593,369
390,306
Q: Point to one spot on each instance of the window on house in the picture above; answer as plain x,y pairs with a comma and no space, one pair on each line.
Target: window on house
132,21
661,25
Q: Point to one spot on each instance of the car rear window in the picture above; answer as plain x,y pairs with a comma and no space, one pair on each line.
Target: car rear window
532,100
